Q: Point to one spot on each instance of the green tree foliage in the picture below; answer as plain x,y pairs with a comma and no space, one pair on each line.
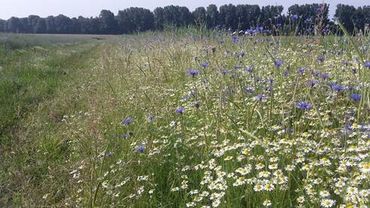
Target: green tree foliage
247,16
309,16
354,20
271,18
227,16
50,25
345,14
108,23
177,16
268,13
2,25
307,19
159,18
135,20
200,16
14,25
212,16
63,24
40,26
174,16
32,22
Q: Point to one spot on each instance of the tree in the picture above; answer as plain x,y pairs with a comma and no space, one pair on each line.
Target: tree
145,20
212,16
88,25
135,20
247,16
307,19
271,18
185,16
14,25
366,13
242,16
108,22
311,17
200,16
2,25
159,18
75,26
345,15
94,26
269,13
172,16
50,25
40,26
227,16
24,26
32,22
63,24
361,19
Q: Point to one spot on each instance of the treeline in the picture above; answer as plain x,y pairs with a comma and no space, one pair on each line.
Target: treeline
305,19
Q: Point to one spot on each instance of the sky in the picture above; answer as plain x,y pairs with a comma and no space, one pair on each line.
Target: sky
92,8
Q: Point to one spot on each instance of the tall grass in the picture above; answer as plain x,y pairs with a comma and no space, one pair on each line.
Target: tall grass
131,126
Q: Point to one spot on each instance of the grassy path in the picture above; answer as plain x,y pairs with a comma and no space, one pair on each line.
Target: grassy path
34,88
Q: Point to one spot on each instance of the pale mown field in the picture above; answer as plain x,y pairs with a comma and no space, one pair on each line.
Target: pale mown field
184,120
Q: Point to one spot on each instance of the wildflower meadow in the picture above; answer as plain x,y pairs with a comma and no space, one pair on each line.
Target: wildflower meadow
186,119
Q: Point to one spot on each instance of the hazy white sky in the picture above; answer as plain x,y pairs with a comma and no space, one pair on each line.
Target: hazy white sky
88,8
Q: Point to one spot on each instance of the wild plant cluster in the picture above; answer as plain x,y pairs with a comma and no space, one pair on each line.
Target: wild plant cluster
230,122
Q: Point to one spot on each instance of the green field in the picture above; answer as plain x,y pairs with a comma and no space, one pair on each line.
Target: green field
184,119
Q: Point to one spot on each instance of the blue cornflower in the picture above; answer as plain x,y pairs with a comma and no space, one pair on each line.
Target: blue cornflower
127,121
193,72
140,148
367,64
301,70
337,87
356,97
347,129
302,105
225,71
278,63
324,76
249,69
204,64
180,110
364,127
294,17
235,39
321,58
316,73
312,83
261,98
286,73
